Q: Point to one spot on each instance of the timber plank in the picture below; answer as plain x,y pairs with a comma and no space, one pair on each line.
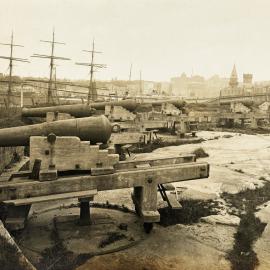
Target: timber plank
70,195
130,164
172,201
117,180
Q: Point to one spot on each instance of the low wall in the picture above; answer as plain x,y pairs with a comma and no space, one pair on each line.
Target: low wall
7,154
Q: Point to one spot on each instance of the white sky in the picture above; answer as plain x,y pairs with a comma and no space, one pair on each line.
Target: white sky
162,37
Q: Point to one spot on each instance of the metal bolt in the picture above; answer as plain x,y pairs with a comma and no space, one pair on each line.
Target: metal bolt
51,138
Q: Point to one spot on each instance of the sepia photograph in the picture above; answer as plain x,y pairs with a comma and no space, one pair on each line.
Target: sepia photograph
135,135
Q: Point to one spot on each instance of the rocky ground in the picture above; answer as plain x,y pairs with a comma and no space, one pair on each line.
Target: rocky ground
208,239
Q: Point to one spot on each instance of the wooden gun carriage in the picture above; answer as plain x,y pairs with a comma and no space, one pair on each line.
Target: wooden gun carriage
64,167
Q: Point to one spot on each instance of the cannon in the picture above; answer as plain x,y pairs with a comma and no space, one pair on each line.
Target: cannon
177,103
83,110
96,129
78,110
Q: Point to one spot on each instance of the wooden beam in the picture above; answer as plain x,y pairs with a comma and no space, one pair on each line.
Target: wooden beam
70,195
123,179
127,165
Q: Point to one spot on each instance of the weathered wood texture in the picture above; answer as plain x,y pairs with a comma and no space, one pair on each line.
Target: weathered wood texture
69,153
127,165
127,137
69,195
22,188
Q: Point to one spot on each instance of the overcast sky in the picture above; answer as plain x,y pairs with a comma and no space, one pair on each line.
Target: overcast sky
163,38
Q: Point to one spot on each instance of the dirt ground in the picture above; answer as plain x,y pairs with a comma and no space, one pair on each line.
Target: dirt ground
237,162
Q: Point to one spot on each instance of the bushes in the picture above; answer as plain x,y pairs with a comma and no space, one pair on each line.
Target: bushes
200,153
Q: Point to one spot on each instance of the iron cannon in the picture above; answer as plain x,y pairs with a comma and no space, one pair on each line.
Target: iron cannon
78,110
96,129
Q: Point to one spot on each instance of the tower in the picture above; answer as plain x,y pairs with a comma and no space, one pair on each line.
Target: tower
234,78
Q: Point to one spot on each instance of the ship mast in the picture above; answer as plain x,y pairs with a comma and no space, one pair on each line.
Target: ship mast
11,58
52,58
92,89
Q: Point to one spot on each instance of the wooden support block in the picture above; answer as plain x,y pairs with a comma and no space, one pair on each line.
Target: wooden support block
127,138
69,153
48,175
50,117
150,216
111,150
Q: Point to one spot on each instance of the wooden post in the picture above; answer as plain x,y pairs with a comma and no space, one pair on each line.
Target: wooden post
35,171
84,212
21,96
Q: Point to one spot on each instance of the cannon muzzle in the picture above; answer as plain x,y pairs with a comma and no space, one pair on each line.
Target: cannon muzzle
94,129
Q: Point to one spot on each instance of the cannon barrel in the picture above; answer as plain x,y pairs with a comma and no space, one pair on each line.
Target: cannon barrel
81,110
245,101
78,110
94,129
177,103
129,104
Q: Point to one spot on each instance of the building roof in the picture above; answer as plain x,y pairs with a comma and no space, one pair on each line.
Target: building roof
234,78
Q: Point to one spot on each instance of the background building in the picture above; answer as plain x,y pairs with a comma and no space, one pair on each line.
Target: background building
197,86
